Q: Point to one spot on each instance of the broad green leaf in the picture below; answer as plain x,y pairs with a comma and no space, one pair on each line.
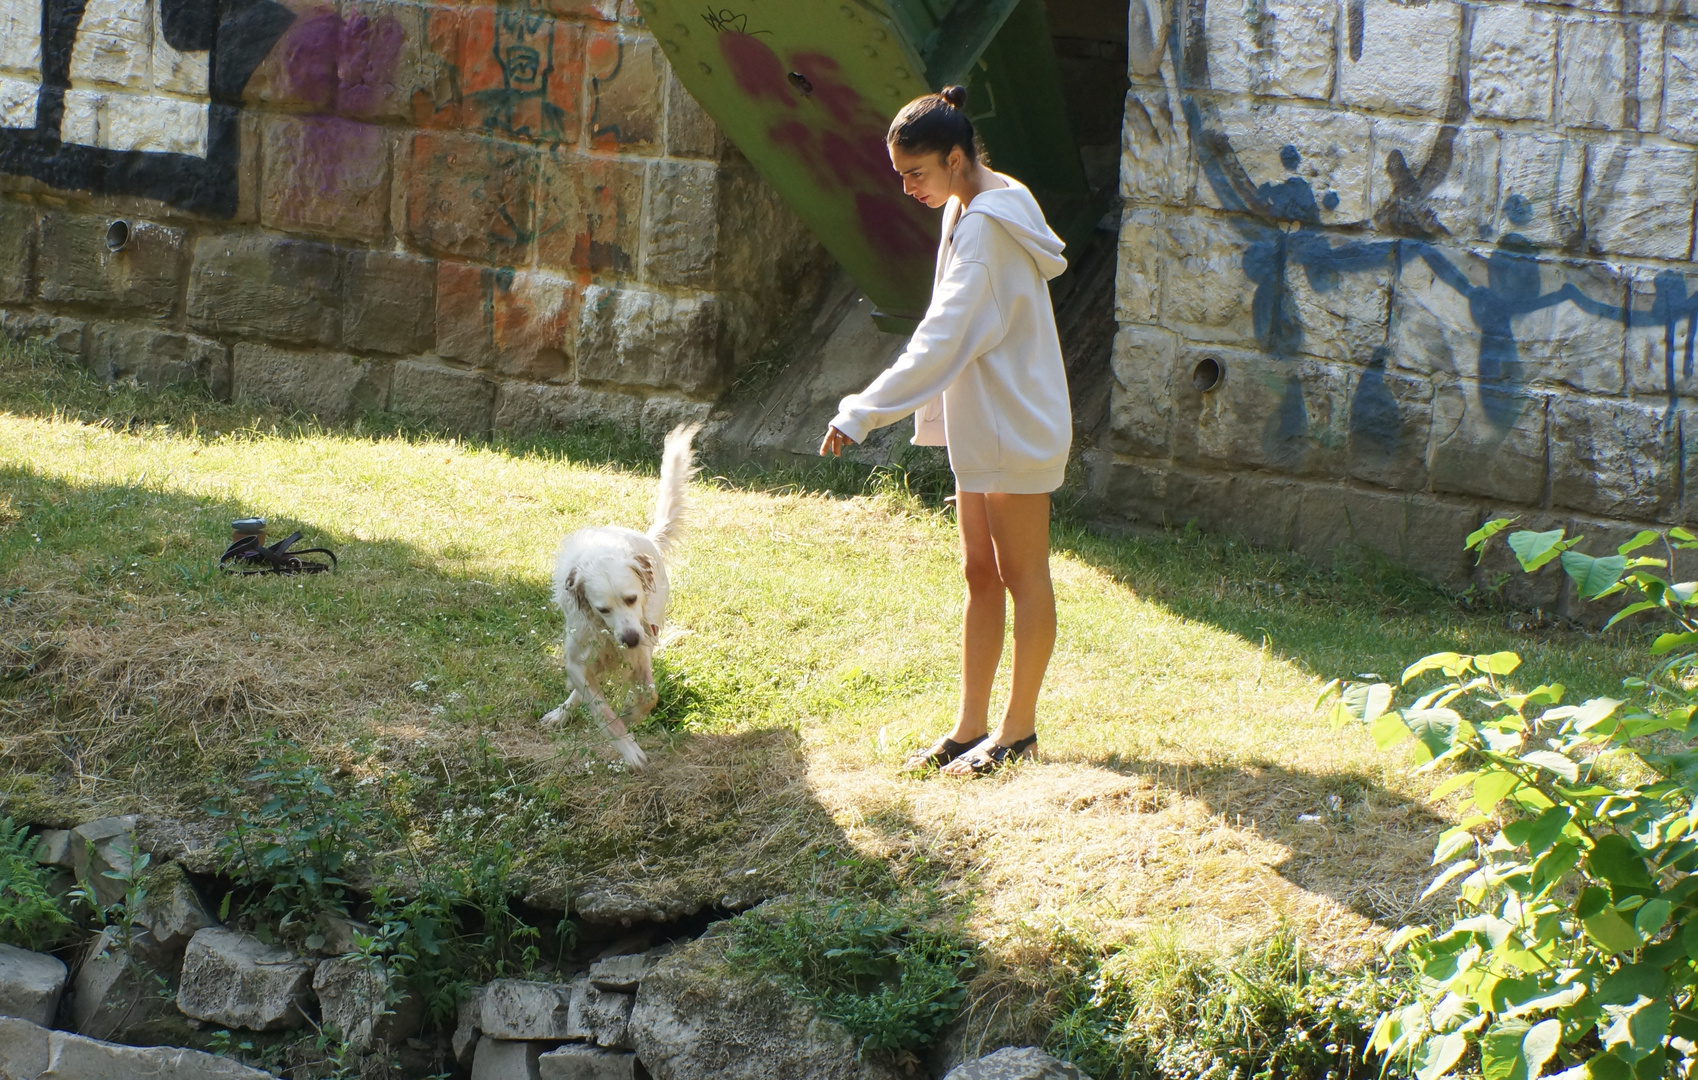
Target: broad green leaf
1389,730
1667,643
1592,575
1366,701
1443,1052
1451,874
1689,938
1631,982
1540,1044
1652,917
1500,1052
1486,532
1617,861
1453,664
1683,592
1498,663
1538,833
1631,610
1536,549
1450,784
1647,1026
1643,538
1607,1067
1452,842
1554,762
1679,533
1405,935
1593,712
1560,998
1492,786
1435,729
1612,931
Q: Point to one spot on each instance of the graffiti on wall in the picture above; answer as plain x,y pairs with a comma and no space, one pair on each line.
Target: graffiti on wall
134,97
1285,215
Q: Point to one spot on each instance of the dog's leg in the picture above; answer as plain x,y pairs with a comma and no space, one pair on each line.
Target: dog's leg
588,690
557,714
646,697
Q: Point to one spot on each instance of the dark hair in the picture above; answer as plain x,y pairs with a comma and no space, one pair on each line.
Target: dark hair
936,124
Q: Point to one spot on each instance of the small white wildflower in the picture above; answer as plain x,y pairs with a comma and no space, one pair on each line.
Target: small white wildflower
419,687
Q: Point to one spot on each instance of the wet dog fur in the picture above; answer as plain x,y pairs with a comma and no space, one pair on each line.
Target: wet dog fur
611,585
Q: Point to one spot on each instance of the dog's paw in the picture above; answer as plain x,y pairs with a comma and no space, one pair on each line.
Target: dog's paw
552,717
632,753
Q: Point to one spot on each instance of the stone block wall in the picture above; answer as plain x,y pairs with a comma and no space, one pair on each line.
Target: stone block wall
483,215
1442,252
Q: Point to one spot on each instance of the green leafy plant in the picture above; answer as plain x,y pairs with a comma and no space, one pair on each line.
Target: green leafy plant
292,849
1157,1009
31,917
875,968
1574,946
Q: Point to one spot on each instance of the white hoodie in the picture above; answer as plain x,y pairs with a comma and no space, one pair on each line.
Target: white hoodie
988,345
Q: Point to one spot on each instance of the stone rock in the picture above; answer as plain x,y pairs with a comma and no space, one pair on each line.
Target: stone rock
601,1016
172,912
1206,293
613,906
690,131
1401,58
234,980
1331,164
1680,89
465,1041
1288,51
153,357
1462,203
587,1063
334,386
353,1000
24,1048
1291,416
1512,54
634,337
471,196
117,987
1488,442
591,213
620,974
193,845
338,934
1137,280
54,331
266,287
53,848
514,322
523,1009
103,848
1639,199
454,398
74,1057
536,407
17,251
31,984
1141,399
497,1060
325,175
1024,1063
683,232
627,80
389,304
1614,458
75,266
696,1020
1539,178
1390,422
1592,74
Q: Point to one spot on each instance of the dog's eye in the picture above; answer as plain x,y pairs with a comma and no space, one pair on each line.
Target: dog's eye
604,610
629,600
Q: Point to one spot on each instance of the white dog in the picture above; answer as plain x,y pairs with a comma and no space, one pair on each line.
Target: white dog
610,583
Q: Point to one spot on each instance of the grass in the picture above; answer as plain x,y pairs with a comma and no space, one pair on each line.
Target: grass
1189,793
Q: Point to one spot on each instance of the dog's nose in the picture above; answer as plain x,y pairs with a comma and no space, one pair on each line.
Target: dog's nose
630,638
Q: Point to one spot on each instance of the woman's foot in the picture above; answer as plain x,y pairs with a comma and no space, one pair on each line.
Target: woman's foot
942,752
987,757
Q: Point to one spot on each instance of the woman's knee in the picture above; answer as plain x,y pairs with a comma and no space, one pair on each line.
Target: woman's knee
982,576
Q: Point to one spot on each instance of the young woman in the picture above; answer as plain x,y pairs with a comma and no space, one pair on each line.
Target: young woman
984,375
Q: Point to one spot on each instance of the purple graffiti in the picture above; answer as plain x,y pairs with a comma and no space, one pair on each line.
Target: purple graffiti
758,70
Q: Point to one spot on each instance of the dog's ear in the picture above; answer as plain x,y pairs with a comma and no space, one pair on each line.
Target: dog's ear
572,578
581,597
645,571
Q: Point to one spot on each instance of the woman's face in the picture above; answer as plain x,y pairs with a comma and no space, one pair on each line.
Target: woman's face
928,177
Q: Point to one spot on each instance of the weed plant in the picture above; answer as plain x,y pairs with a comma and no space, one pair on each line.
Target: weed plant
879,969
31,916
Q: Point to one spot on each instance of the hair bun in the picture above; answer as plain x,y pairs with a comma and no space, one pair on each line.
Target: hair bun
955,95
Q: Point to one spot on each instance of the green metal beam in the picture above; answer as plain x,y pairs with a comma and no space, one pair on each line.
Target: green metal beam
957,42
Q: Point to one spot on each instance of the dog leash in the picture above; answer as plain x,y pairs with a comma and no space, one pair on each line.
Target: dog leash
248,556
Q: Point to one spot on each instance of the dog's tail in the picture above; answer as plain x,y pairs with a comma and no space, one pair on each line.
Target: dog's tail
677,466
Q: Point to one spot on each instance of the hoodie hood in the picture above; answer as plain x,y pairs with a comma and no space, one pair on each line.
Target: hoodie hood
1019,213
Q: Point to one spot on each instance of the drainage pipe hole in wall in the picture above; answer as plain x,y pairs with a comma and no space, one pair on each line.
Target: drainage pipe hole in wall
117,235
1207,374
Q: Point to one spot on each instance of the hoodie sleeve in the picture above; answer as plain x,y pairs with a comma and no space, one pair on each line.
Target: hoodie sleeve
962,323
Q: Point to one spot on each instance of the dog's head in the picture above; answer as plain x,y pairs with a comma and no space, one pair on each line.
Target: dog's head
611,591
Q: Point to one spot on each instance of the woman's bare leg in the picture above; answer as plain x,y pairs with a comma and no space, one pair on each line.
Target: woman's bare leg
984,620
1019,533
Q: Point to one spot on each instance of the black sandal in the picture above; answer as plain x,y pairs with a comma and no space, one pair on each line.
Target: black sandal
999,755
941,753
249,556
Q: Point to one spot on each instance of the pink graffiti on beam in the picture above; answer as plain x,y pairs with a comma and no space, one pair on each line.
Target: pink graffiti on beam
346,65
890,227
797,138
757,69
858,158
840,100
